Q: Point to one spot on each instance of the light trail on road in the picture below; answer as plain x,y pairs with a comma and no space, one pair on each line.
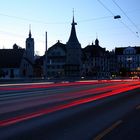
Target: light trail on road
72,98
30,100
14,87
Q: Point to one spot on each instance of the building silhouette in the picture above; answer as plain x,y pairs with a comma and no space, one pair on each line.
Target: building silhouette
95,61
69,60
64,60
27,65
18,62
10,62
56,60
73,55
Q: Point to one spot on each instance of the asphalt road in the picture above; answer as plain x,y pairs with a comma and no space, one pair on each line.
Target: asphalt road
127,128
65,111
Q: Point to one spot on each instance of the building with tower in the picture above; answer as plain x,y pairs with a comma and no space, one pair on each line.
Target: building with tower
18,62
30,48
28,58
64,60
74,53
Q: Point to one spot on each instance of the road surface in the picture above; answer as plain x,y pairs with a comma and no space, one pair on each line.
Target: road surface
82,110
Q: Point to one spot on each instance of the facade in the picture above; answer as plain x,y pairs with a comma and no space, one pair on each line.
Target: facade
113,64
38,66
128,59
96,61
56,60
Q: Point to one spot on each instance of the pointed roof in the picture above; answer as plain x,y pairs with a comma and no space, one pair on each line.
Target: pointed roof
73,36
30,35
59,45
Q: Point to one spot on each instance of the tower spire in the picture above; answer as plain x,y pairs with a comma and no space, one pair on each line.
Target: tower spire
96,35
73,15
30,35
73,12
73,22
73,36
97,40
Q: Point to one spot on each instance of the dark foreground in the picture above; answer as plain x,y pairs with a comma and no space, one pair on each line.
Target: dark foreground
93,110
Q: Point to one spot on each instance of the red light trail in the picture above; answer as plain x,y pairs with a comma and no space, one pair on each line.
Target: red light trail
116,89
35,86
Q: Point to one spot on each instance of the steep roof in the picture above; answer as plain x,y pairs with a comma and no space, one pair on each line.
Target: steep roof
11,58
58,44
30,37
73,37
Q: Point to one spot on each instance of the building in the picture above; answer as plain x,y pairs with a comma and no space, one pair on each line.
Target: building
128,59
18,62
96,61
10,62
113,64
56,60
73,55
27,64
38,66
64,60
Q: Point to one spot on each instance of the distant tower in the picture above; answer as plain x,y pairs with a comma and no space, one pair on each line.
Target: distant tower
96,42
30,47
73,58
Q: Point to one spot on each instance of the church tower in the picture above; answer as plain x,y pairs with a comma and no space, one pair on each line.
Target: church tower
27,65
30,48
73,57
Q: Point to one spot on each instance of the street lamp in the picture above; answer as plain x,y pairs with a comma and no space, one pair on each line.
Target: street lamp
117,17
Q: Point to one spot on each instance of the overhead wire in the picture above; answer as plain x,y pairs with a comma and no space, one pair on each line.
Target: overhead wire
126,15
85,20
31,20
42,22
118,19
92,19
106,8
